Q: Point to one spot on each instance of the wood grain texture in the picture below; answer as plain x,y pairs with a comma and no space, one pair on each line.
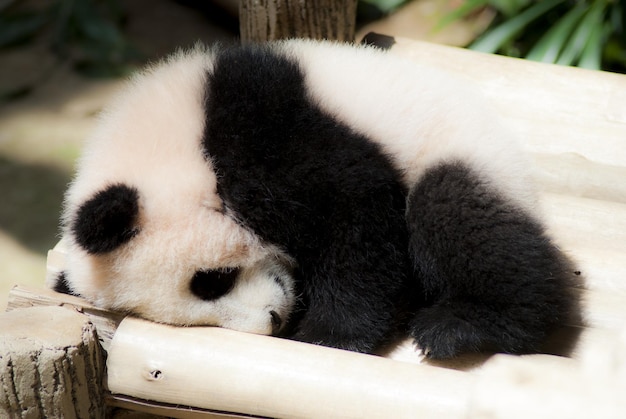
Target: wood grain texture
51,365
231,371
264,20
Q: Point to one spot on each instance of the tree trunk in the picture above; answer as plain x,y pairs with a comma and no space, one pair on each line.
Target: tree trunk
51,365
264,20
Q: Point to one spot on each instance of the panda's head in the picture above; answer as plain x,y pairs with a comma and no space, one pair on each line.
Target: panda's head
147,232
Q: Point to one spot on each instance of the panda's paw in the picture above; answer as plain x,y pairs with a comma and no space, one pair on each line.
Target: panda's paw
439,334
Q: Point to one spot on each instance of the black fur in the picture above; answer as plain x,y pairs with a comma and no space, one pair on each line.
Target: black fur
61,285
304,181
107,220
326,194
212,284
493,278
378,40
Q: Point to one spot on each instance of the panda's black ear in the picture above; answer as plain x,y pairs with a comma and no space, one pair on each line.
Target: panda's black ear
62,285
107,220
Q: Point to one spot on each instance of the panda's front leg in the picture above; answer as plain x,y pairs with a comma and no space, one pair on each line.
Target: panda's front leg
352,286
492,278
344,311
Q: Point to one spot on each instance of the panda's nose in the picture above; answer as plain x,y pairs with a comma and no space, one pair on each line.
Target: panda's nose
277,322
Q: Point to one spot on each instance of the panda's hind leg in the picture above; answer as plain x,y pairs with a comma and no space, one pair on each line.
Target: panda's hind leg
492,279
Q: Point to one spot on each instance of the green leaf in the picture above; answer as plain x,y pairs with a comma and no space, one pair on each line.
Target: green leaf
103,32
547,49
17,29
494,39
617,17
614,52
509,7
460,12
582,34
591,57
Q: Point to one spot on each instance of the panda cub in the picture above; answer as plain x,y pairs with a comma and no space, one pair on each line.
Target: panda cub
328,193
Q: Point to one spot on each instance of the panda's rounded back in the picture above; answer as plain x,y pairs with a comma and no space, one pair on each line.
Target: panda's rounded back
421,116
153,138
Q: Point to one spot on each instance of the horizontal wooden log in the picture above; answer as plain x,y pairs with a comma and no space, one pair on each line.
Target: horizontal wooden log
555,109
572,174
604,309
517,387
603,269
589,222
259,375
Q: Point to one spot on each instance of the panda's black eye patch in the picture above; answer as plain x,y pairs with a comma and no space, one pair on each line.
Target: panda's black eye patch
108,219
211,284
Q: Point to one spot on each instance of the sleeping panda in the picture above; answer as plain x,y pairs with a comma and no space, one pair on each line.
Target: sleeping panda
328,193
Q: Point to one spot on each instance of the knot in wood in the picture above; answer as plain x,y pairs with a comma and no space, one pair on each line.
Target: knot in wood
155,375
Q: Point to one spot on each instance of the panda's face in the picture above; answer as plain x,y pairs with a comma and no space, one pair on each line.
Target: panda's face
146,230
130,254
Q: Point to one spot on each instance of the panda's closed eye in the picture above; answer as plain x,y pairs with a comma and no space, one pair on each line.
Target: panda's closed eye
210,284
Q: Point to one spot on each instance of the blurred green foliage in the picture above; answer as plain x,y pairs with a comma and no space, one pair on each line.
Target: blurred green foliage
87,33
585,33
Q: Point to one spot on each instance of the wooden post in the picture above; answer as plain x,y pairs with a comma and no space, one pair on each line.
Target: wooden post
51,365
265,20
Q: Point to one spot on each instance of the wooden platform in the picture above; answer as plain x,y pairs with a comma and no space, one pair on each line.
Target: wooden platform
573,124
